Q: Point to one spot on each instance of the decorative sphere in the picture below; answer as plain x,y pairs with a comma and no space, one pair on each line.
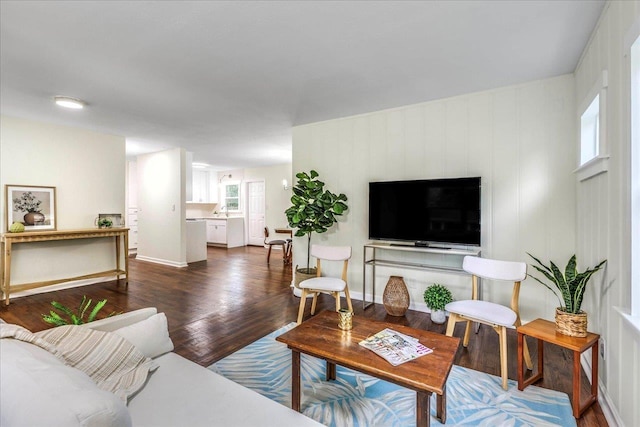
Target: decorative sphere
16,227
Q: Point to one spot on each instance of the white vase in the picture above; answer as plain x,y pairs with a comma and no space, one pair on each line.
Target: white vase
438,316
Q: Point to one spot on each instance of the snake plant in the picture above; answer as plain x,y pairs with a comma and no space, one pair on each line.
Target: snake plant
571,284
73,318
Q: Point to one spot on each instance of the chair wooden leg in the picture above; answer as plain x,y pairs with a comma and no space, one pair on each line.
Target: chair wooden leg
313,304
504,372
303,300
467,332
453,318
284,254
269,254
348,297
336,295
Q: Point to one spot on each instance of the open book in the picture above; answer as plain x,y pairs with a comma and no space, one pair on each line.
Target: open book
395,347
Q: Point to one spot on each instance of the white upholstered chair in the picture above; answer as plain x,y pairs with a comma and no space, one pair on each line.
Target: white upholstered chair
495,315
329,285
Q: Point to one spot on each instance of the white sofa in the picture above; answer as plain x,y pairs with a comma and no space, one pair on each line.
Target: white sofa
37,389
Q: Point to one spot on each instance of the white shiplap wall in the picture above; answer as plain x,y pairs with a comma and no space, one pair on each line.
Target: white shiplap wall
519,139
603,216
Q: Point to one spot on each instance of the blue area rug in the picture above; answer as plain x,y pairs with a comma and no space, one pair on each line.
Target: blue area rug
354,399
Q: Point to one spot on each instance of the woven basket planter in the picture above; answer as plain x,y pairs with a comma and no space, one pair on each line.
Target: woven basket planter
573,325
396,296
300,277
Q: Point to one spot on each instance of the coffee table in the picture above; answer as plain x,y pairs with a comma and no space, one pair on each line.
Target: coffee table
320,337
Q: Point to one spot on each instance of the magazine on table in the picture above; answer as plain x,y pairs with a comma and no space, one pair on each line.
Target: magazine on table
395,347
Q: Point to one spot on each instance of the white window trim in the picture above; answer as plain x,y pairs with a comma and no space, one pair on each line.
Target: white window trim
224,195
600,163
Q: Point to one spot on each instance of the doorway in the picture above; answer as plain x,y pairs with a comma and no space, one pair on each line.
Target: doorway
255,213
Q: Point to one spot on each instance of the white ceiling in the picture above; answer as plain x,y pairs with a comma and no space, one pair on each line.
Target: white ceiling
228,80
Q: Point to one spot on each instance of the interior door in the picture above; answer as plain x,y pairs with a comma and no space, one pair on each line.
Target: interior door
255,213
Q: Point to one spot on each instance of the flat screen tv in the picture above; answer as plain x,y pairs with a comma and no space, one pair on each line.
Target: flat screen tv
444,211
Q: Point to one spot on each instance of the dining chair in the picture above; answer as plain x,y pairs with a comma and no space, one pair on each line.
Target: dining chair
498,316
285,244
329,285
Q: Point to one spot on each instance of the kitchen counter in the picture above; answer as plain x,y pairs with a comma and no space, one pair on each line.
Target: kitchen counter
196,240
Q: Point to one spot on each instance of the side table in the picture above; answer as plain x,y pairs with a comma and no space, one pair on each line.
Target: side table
545,331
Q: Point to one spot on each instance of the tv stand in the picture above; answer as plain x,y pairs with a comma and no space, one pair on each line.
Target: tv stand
376,248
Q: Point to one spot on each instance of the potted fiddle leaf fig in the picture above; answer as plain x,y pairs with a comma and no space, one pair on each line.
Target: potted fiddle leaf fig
314,210
436,297
571,285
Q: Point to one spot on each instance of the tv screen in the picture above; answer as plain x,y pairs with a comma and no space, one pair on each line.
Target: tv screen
424,211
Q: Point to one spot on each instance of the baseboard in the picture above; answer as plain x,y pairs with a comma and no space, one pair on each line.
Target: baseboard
609,410
161,261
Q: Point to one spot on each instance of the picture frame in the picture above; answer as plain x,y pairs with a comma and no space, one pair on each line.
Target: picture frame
33,206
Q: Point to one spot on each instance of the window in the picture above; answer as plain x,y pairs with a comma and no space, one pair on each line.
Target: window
590,132
232,197
593,155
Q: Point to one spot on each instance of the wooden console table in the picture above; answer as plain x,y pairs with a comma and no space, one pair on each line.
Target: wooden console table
121,236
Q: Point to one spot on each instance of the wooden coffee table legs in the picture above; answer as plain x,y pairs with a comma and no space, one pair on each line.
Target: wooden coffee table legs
295,380
423,399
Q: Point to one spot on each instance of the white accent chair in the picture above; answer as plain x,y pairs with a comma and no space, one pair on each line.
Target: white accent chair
328,285
495,315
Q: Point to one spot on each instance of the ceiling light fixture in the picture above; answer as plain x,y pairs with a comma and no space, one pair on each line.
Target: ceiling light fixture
67,102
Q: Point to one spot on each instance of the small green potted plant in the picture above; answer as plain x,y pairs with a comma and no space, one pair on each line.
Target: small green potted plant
570,319
437,297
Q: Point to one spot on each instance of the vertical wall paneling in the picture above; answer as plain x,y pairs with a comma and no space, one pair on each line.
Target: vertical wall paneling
503,135
603,207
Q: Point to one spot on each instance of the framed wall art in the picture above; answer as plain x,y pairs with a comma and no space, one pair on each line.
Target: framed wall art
35,207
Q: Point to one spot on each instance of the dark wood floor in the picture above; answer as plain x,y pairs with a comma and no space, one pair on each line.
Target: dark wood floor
219,306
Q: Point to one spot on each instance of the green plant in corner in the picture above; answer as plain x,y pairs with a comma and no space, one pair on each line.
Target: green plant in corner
313,209
437,297
74,318
571,284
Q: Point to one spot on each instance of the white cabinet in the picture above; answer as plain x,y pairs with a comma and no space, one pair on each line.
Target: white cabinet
203,187
226,231
132,223
217,231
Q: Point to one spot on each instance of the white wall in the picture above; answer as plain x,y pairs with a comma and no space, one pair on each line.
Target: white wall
161,207
519,139
603,215
88,171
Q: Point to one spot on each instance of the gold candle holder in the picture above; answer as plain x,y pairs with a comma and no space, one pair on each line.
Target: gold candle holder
345,319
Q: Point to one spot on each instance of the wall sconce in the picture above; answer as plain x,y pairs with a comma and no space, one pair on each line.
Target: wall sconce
285,184
224,176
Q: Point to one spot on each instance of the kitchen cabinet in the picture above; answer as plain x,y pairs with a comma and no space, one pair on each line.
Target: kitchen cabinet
204,188
132,222
226,231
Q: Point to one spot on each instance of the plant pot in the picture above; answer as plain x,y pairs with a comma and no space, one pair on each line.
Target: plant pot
573,325
302,274
438,316
396,296
31,218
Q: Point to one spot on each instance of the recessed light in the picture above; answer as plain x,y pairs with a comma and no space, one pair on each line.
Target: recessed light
65,101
